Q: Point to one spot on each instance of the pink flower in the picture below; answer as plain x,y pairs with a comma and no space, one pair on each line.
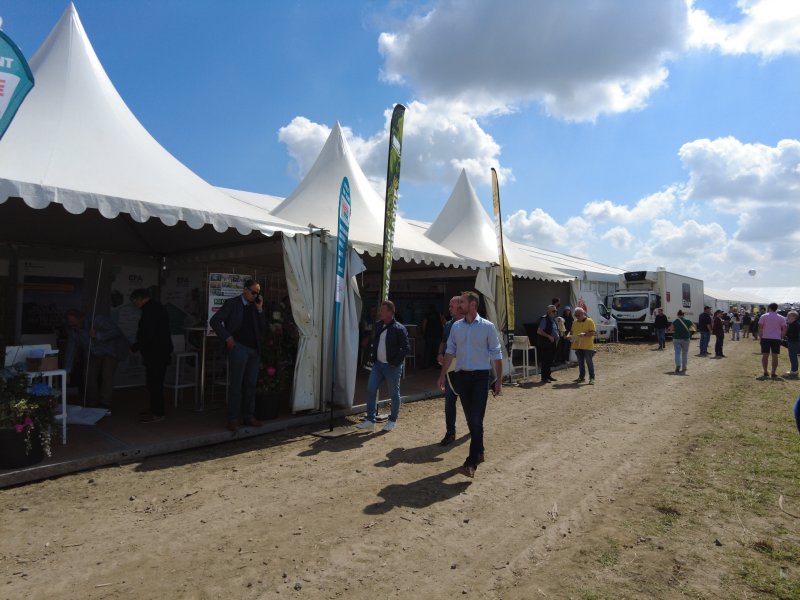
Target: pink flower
271,371
20,427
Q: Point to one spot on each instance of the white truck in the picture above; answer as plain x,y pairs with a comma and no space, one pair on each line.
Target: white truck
640,293
603,321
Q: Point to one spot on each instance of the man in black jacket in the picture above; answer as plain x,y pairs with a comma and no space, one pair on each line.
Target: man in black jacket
389,349
153,340
240,324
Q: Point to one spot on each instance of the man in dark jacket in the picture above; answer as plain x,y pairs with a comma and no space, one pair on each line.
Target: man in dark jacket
547,337
240,324
153,340
389,349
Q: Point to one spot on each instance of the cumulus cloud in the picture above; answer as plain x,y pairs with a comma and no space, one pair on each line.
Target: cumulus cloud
578,59
619,238
538,228
439,140
768,28
646,209
759,183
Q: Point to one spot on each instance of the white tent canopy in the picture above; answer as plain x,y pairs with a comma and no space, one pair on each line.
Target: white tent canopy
464,227
315,200
781,295
734,297
74,142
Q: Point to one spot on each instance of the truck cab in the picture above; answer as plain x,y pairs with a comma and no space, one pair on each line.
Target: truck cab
634,312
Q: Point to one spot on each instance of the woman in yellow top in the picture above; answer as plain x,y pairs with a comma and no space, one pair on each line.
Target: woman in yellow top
582,339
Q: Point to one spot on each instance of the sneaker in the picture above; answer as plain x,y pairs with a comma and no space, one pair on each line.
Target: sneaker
232,426
481,458
677,369
591,382
579,380
253,422
390,425
151,418
448,438
366,424
790,374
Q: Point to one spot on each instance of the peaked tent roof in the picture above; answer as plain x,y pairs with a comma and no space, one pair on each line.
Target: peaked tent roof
74,142
464,227
316,199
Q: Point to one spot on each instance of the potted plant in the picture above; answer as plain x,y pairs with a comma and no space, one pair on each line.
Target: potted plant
26,420
276,373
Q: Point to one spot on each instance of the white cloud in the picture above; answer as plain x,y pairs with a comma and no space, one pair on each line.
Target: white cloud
646,209
768,28
540,229
439,140
578,59
759,183
619,238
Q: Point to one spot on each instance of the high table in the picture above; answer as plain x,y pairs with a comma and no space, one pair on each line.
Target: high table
48,377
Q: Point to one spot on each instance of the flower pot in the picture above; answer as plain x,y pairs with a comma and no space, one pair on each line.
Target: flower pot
13,453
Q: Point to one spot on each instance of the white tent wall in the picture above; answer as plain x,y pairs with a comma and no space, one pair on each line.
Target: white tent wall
310,264
530,300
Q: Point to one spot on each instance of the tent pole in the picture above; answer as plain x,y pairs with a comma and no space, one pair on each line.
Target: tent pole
89,347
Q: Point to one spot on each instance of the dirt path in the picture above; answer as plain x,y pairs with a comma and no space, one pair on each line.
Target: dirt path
374,515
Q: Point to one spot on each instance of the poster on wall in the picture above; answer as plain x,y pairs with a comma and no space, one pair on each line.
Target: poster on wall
48,289
222,286
126,279
182,296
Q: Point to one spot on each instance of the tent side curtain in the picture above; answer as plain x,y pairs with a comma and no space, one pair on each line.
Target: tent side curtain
310,264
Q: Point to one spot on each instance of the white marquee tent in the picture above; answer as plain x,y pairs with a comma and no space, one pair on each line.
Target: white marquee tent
315,201
100,181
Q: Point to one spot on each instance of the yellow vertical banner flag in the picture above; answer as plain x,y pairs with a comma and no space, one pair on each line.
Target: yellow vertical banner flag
505,268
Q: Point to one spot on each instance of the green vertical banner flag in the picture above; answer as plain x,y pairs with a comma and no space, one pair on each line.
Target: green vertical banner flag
505,269
16,80
392,187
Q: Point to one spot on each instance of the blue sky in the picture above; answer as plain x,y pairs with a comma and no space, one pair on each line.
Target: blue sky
638,133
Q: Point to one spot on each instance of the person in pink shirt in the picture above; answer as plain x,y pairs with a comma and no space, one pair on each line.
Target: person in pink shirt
771,329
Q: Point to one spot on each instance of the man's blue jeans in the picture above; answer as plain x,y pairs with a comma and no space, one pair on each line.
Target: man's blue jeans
473,389
661,336
243,362
391,375
586,356
705,338
449,408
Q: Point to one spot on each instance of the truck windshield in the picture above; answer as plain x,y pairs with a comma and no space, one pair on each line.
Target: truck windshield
630,303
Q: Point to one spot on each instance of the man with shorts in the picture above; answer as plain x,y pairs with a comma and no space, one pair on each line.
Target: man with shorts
771,329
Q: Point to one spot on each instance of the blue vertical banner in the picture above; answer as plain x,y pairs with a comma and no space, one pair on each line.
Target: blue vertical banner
16,80
341,265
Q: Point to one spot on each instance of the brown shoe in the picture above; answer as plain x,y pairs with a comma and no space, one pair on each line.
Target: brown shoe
467,470
253,422
232,426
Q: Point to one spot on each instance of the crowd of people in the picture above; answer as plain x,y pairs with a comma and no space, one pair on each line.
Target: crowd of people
771,329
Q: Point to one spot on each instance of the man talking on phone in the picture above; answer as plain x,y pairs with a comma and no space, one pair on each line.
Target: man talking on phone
475,345
240,324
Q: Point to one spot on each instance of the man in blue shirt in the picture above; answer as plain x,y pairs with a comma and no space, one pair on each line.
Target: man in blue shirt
475,345
456,314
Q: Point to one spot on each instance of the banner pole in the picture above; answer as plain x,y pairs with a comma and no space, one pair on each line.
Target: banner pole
91,326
